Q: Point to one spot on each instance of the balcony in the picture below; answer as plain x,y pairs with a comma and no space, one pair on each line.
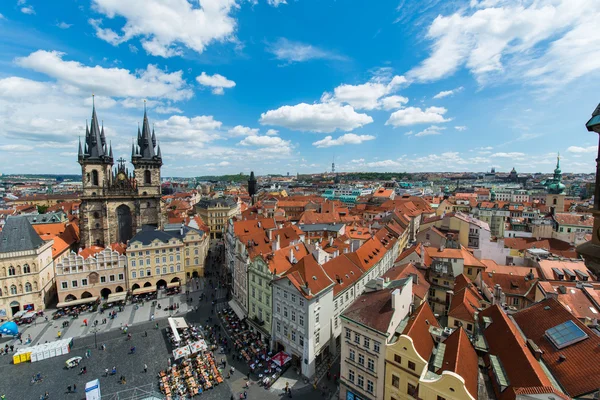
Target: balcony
258,321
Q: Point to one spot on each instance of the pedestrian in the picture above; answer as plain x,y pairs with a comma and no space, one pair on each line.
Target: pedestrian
12,348
74,388
69,389
290,393
145,334
106,372
145,368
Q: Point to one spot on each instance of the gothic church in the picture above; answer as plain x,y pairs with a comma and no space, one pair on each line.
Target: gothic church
116,202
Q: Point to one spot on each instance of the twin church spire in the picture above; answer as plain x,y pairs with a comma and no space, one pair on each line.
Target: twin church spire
95,148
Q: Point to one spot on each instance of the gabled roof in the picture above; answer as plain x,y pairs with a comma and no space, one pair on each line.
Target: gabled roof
343,271
420,284
18,235
577,370
514,285
460,357
419,251
466,300
307,273
417,329
506,343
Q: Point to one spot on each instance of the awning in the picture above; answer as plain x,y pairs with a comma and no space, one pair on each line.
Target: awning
237,309
281,358
181,352
30,314
119,296
143,290
77,302
177,323
173,284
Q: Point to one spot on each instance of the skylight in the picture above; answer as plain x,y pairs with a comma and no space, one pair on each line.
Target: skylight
566,334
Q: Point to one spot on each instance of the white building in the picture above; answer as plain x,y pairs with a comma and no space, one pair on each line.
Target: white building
366,326
303,309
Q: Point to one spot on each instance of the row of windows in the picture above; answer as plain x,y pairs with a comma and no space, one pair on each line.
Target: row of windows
14,290
366,341
361,360
260,297
292,334
290,296
12,271
360,382
260,313
411,389
293,314
171,270
398,359
84,282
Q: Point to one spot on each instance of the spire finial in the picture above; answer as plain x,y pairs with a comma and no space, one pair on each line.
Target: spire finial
144,106
93,100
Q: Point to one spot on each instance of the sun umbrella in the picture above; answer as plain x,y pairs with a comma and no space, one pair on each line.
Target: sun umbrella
9,328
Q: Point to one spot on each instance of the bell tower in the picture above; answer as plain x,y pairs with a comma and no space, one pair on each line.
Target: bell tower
147,160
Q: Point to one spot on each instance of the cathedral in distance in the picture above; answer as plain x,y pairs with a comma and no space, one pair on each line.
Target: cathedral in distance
116,202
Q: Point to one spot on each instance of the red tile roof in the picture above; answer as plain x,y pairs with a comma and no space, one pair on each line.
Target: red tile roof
417,329
505,342
372,309
420,284
460,357
577,370
466,300
308,273
574,219
512,285
343,268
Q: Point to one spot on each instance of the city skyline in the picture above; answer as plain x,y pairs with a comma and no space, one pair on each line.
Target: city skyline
287,86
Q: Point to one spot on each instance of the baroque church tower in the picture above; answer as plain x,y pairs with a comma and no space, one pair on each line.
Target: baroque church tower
116,202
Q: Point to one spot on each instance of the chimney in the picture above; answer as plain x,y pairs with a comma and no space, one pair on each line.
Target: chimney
396,306
379,283
535,350
415,279
292,258
270,234
497,294
331,241
181,230
422,254
276,245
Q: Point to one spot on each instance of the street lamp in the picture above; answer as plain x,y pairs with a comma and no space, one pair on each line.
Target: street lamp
95,341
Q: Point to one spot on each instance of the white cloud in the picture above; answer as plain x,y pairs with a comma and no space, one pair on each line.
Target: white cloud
383,164
446,93
368,96
240,130
272,132
216,82
358,161
276,3
133,49
547,42
15,148
151,82
508,155
460,128
393,102
289,51
165,25
28,10
409,133
415,115
577,149
432,130
322,117
196,130
268,144
167,110
64,25
348,138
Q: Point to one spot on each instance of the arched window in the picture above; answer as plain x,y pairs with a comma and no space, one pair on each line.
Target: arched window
148,273
94,177
157,271
554,201
13,289
133,274
96,214
11,271
28,287
26,269
178,267
165,270
172,269
196,261
147,177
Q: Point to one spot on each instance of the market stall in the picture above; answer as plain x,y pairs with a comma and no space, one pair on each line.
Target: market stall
143,294
76,307
173,288
117,299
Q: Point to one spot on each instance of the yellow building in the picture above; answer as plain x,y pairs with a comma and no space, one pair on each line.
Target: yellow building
216,212
414,370
26,268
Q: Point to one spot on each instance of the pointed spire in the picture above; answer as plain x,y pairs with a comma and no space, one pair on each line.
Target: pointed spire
95,142
80,153
102,137
159,154
110,154
153,137
87,129
139,137
132,150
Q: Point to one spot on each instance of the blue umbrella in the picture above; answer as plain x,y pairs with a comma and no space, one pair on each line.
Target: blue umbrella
9,328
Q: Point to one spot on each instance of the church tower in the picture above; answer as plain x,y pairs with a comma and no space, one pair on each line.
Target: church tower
115,202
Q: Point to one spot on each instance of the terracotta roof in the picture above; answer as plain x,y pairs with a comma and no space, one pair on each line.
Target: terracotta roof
343,268
416,248
310,217
381,192
90,251
492,266
308,273
466,300
505,342
554,246
545,268
542,390
280,260
369,254
417,329
575,371
420,284
460,357
513,285
574,219
462,253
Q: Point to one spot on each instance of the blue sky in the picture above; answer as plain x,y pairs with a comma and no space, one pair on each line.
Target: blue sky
284,86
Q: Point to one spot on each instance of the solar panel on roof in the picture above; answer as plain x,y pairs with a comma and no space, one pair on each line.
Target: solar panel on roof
566,334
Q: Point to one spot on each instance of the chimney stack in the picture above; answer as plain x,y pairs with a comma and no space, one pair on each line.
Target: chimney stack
396,306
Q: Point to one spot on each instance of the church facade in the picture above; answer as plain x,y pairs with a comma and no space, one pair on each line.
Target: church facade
116,202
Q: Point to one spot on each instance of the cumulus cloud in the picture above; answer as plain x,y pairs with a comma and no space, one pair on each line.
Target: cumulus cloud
446,93
276,3
268,144
63,25
460,128
321,117
272,132
415,115
370,95
577,149
348,138
547,42
240,130
167,110
17,148
291,52
164,26
119,82
432,130
216,82
28,10
508,155
196,130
